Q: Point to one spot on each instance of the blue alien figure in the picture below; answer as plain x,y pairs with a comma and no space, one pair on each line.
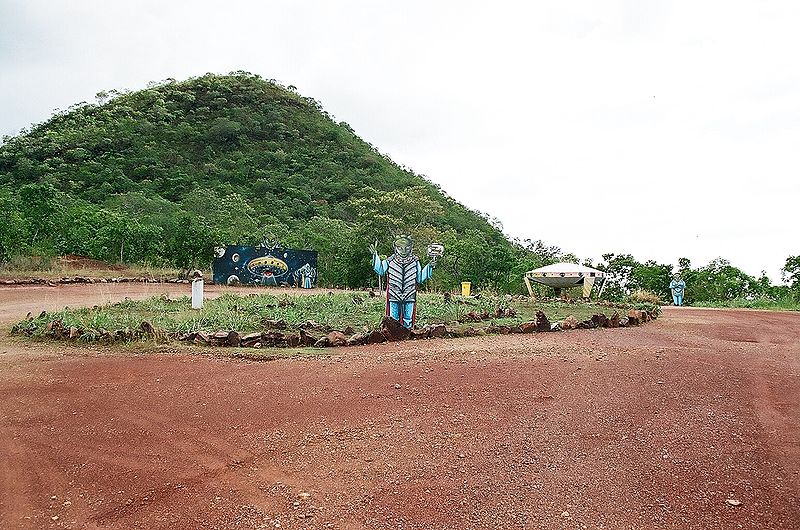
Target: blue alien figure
305,276
403,272
677,285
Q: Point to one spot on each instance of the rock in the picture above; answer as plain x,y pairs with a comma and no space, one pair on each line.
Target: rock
454,333
74,333
393,330
292,340
306,339
438,331
417,334
274,338
55,327
471,332
397,386
613,322
542,323
323,342
733,502
528,327
250,339
472,316
147,328
600,320
623,322
634,317
348,330
233,339
219,338
202,338
358,339
337,338
274,324
375,337
569,323
556,326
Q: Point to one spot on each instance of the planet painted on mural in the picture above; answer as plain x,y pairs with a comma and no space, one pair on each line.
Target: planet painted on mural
267,266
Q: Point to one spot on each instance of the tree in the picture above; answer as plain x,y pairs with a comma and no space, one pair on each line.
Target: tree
790,273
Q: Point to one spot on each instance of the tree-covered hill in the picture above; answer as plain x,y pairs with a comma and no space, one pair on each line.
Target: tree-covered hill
164,174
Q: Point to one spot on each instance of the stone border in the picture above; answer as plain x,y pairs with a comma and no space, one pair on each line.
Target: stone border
311,334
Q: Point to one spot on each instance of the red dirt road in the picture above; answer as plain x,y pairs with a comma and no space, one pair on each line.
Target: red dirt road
650,427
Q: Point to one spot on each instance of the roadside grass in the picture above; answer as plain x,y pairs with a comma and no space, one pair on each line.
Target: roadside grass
339,310
769,304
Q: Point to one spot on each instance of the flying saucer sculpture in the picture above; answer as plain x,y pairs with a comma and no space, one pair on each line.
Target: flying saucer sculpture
565,275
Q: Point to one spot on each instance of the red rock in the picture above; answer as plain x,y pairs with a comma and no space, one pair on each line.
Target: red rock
375,337
337,338
569,323
250,339
542,323
438,331
393,330
306,339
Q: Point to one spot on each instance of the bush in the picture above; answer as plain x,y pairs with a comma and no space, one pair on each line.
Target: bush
643,296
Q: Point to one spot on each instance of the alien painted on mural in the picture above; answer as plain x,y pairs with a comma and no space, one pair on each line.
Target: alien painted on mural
403,272
305,276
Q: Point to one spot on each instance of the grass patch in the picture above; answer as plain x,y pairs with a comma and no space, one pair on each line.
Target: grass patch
254,312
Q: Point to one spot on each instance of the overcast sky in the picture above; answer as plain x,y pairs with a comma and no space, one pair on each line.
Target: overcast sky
661,129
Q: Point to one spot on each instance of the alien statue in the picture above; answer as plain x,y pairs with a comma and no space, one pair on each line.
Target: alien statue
403,272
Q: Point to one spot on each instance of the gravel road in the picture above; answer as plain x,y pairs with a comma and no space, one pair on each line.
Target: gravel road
691,421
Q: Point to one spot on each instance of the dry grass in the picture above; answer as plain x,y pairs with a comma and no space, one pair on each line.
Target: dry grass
58,267
641,296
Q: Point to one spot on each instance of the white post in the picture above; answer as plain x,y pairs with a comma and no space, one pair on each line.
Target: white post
197,293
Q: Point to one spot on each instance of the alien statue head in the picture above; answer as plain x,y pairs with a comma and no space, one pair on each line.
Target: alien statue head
403,246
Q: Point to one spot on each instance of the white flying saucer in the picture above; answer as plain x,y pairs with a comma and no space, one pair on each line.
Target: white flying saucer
566,275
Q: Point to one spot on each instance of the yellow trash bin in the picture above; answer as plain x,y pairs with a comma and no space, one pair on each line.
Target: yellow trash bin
465,286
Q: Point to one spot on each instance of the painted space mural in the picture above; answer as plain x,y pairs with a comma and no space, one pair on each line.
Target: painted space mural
265,265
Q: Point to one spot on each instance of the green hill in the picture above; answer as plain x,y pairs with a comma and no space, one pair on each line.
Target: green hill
164,174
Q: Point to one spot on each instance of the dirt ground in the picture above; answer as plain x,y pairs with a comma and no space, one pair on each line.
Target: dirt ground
651,427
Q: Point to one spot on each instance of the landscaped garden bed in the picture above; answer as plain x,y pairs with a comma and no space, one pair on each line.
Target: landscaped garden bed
333,319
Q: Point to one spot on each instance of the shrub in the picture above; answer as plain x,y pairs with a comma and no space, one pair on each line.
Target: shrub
644,296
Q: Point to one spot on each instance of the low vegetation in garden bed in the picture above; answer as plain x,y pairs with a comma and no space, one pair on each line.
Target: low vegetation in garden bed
333,319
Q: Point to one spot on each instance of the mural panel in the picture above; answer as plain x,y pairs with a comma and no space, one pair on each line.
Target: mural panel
265,265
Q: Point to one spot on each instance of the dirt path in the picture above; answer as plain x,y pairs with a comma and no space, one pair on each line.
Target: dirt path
652,427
